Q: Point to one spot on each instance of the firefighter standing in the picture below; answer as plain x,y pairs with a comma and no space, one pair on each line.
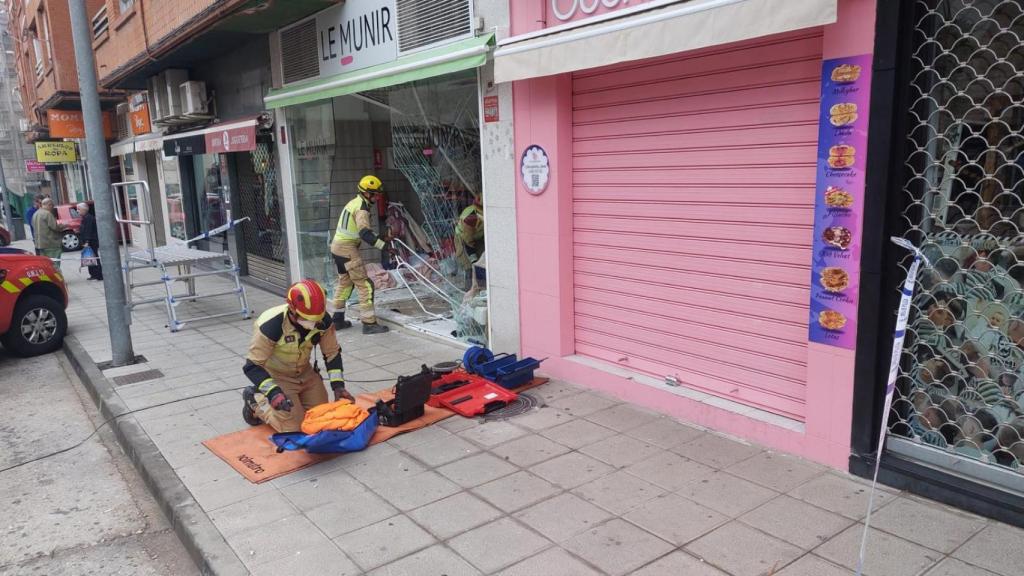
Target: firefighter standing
353,229
284,383
469,238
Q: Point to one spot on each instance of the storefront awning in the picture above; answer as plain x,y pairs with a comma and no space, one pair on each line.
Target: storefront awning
231,136
455,57
143,143
677,27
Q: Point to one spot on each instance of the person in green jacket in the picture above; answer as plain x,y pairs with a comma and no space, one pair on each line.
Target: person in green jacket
48,232
469,239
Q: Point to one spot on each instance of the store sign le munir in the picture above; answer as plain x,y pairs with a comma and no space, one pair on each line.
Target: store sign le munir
356,35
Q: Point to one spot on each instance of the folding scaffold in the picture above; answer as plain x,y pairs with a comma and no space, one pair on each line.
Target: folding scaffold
174,263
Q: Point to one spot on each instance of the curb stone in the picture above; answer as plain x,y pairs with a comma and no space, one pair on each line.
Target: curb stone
205,544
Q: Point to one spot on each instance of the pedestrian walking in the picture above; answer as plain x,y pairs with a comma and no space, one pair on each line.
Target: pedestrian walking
90,239
47,233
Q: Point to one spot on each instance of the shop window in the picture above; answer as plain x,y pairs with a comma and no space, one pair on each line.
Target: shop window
125,6
961,386
172,188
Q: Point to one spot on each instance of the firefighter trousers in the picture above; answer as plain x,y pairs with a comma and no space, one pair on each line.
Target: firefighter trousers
304,390
352,275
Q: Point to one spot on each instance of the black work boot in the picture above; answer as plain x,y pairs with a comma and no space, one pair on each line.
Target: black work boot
375,328
249,407
339,321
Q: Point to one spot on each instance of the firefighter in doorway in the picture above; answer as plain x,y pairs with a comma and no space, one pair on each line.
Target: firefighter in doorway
469,239
284,383
353,229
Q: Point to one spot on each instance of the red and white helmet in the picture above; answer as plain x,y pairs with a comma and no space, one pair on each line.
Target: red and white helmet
307,299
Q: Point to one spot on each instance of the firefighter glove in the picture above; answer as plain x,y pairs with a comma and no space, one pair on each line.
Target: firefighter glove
339,391
279,400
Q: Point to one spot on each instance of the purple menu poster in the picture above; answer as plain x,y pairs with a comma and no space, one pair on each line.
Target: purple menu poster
839,200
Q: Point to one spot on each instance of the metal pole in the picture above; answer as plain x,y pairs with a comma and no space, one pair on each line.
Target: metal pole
118,318
8,220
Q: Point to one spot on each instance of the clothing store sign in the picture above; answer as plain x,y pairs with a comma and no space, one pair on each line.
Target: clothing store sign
56,152
356,35
231,140
839,200
535,169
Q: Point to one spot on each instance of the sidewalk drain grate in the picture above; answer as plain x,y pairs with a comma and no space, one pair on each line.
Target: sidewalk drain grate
521,405
137,377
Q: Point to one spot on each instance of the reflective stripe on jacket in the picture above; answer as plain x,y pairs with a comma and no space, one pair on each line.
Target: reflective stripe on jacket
279,347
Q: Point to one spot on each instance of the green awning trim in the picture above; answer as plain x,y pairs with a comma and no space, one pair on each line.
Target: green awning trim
454,57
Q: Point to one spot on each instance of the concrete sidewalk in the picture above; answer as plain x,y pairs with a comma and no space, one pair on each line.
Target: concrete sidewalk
584,485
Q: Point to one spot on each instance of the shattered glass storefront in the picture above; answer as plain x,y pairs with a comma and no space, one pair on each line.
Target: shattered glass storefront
960,397
422,139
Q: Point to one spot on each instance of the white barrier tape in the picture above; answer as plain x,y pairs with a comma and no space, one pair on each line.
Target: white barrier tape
217,230
907,293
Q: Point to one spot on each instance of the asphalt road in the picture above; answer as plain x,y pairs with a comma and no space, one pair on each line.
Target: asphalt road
82,512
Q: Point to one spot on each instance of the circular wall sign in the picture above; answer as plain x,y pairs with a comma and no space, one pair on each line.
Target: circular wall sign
535,169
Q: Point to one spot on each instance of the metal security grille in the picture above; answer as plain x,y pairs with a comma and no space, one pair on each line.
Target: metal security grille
260,201
425,22
298,52
961,386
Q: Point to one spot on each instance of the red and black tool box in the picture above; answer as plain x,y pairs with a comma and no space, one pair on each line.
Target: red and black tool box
469,395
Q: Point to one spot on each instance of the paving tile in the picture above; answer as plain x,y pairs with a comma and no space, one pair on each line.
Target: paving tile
420,490
529,450
557,389
927,523
434,561
842,495
251,545
665,432
496,545
224,492
262,509
542,418
623,417
476,470
385,469
571,470
669,470
776,471
743,551
726,493
886,555
675,519
310,562
716,451
516,491
620,450
442,451
811,565
337,517
577,433
998,548
456,424
618,492
617,547
321,490
581,404
796,522
384,542
678,563
551,562
421,436
490,434
563,516
954,567
454,514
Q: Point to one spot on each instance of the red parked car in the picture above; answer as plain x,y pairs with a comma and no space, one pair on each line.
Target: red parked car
33,298
69,218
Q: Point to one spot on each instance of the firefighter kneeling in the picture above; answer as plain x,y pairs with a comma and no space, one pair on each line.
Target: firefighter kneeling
285,385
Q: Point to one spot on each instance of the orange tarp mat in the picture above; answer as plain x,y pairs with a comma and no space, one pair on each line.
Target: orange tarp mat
251,453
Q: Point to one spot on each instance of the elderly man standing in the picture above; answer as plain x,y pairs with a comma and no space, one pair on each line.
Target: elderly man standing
47,232
90,238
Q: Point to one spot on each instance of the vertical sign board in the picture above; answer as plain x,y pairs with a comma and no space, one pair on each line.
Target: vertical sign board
491,109
839,200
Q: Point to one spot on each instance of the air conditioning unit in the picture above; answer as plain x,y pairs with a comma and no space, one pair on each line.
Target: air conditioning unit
123,124
158,97
23,124
173,80
193,97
